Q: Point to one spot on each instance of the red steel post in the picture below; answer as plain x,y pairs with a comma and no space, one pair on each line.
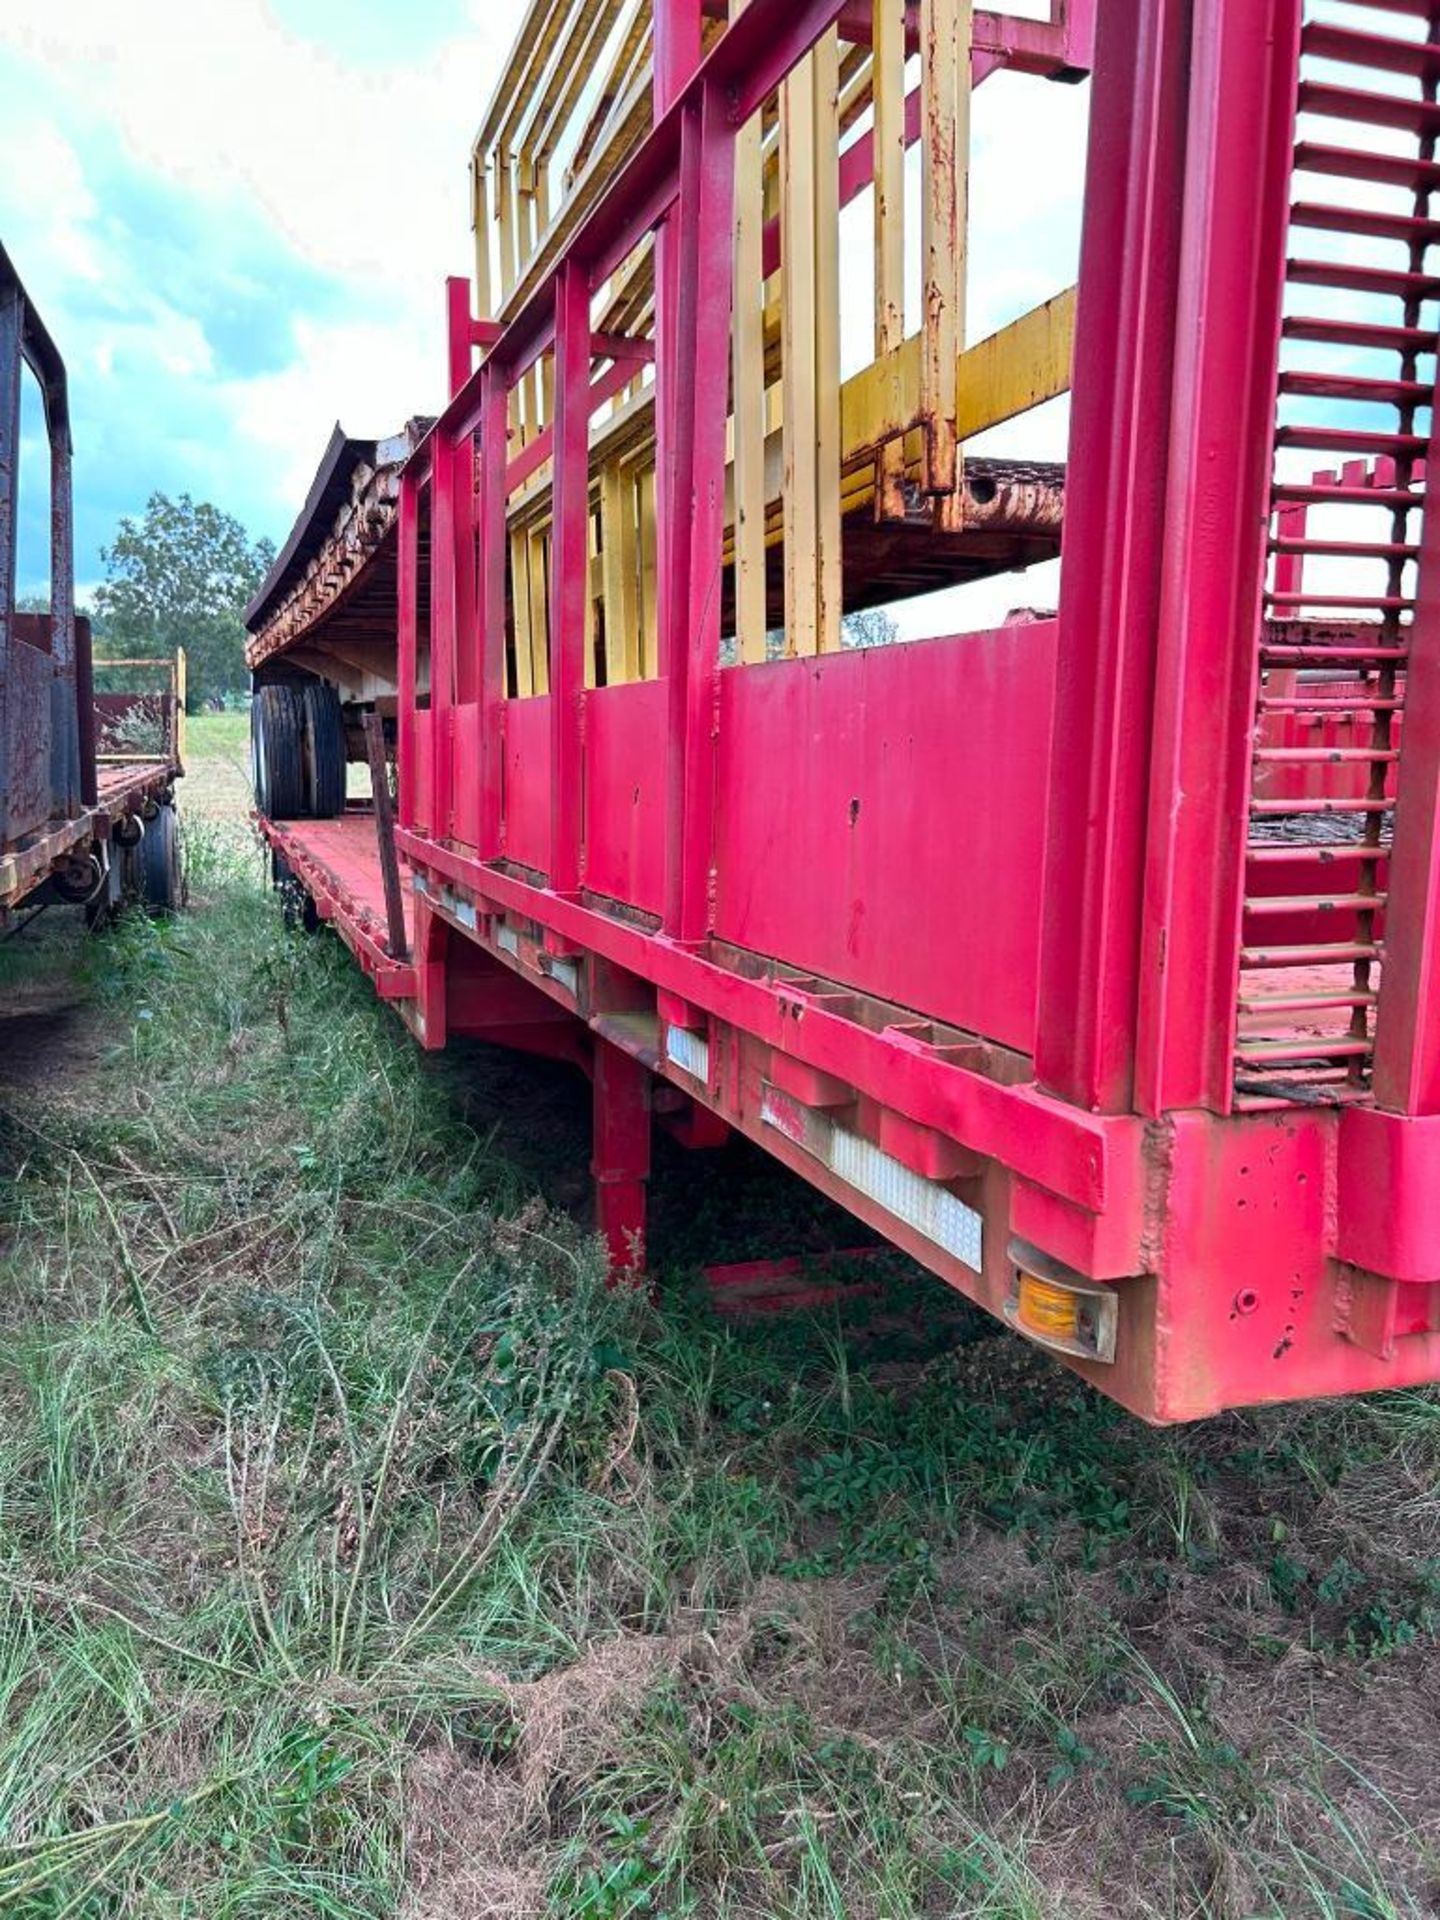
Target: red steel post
458,331
1114,521
1077,30
407,613
461,338
677,48
444,568
702,348
1244,77
569,573
492,547
677,55
1407,1019
621,1153
467,643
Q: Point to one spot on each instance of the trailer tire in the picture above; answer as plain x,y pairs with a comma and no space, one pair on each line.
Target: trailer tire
324,754
296,906
277,763
162,880
78,880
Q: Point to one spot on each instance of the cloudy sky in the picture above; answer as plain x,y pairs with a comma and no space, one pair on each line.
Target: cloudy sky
236,217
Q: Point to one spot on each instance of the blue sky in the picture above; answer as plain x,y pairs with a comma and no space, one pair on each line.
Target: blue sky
236,218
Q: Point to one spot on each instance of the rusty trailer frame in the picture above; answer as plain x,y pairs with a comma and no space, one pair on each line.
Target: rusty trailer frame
61,792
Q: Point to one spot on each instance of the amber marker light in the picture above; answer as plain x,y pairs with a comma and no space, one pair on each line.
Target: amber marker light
1059,1308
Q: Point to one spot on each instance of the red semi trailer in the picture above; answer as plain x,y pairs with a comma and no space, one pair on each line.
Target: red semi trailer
87,778
1091,958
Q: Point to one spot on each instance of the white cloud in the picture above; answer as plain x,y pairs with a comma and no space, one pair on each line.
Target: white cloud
361,169
33,150
364,373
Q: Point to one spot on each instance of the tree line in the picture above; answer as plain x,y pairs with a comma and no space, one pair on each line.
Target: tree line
178,575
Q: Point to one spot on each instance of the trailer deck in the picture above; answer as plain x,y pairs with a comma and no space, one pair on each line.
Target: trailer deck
337,863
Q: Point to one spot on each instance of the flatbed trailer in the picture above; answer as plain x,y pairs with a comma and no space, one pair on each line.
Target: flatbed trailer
87,779
1091,958
71,859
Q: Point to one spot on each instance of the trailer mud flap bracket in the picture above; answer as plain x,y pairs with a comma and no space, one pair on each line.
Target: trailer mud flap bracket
1389,1193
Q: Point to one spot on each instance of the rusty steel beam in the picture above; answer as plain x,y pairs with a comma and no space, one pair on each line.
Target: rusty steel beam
385,834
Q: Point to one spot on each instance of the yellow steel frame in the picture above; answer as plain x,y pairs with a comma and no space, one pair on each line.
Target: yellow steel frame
805,450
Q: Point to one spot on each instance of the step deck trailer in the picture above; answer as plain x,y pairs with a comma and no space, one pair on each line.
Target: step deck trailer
1091,958
86,779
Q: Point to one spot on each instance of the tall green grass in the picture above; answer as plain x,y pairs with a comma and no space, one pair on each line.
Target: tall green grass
289,1363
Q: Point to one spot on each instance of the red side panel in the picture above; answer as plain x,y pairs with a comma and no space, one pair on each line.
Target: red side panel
1323,737
625,793
465,777
1329,886
420,784
880,820
527,782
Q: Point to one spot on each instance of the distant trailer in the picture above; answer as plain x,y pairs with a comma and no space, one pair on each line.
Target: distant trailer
1093,957
87,779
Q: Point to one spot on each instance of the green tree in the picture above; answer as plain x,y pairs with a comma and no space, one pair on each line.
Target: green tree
872,628
180,577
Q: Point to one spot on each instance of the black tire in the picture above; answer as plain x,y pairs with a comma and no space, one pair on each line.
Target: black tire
277,759
79,880
162,885
324,750
296,905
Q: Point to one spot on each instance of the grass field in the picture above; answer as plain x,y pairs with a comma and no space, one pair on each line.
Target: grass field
362,1555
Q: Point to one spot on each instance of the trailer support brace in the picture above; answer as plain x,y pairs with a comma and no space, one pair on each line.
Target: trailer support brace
385,835
621,1153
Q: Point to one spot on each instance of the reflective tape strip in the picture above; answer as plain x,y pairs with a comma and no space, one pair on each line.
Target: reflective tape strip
924,1205
690,1051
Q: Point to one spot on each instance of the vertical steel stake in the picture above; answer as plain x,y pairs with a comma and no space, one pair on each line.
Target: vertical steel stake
385,834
